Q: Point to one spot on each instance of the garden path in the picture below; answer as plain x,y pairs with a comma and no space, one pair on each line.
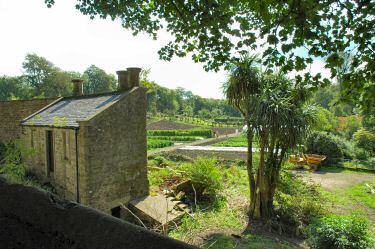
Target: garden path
333,181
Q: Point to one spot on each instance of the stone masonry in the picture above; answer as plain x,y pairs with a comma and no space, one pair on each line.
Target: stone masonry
13,112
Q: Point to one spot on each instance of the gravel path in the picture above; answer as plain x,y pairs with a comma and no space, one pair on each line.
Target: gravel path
331,181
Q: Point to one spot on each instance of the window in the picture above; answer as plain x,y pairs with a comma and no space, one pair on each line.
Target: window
49,152
32,137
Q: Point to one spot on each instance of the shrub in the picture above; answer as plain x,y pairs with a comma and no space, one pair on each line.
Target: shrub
297,202
334,231
365,140
159,160
361,154
152,144
194,132
12,165
2,151
205,175
325,144
347,147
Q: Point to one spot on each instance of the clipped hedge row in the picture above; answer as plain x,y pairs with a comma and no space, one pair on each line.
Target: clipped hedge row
229,120
154,144
176,138
170,133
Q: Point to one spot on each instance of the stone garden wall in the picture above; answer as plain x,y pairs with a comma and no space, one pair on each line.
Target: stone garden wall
33,218
13,112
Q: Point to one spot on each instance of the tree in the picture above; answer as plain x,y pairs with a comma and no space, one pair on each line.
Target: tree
351,125
324,96
58,84
37,70
13,88
273,109
325,120
216,32
98,81
366,140
45,79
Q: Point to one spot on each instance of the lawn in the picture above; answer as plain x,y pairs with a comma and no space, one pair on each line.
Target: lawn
236,142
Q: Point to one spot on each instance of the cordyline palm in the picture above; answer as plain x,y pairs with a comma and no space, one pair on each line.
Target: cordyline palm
273,109
240,90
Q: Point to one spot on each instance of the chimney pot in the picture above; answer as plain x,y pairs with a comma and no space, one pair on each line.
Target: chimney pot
123,80
78,90
134,76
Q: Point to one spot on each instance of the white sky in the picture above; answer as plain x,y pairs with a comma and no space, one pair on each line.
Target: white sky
73,42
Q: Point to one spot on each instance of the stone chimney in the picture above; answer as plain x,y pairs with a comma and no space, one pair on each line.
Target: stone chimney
78,90
134,76
123,81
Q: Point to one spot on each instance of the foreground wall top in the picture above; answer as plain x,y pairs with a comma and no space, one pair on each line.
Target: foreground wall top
33,218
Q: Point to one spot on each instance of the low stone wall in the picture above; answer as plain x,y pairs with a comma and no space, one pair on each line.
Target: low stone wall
13,112
33,218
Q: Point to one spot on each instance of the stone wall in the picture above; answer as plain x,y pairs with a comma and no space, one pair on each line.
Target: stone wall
33,218
114,146
64,176
13,112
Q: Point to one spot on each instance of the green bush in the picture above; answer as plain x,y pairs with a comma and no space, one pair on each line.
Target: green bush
297,202
2,151
361,154
348,148
174,138
153,144
194,132
325,144
205,175
341,232
365,140
12,165
159,160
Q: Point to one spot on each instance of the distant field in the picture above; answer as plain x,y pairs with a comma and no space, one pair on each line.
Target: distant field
170,125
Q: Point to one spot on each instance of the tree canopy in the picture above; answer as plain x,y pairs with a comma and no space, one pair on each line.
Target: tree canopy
290,34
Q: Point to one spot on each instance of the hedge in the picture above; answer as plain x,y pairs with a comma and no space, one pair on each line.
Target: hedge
175,138
195,132
153,143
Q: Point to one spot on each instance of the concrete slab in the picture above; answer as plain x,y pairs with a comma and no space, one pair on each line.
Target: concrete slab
157,208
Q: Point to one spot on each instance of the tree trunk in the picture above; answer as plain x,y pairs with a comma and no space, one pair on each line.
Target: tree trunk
249,164
261,203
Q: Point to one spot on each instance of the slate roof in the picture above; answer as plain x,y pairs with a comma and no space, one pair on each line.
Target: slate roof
67,111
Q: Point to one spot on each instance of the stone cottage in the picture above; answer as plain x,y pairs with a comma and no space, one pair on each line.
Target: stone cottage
93,148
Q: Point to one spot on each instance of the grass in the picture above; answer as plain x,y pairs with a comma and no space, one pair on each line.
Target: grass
213,222
360,164
360,193
218,216
235,142
223,241
356,197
